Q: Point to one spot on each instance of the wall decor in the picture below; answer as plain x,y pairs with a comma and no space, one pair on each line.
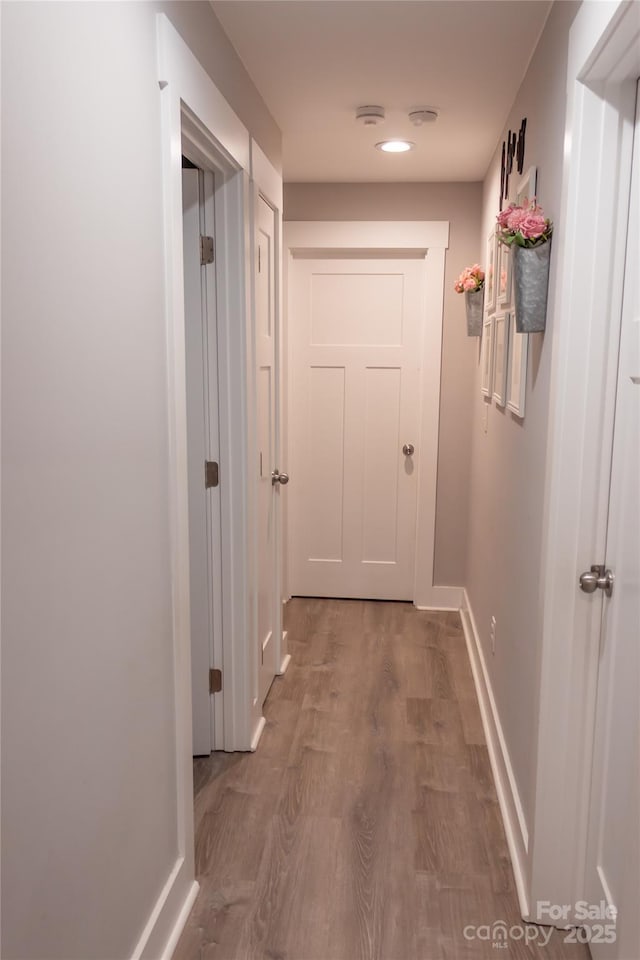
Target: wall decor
509,147
474,302
503,276
513,148
526,189
490,275
486,357
517,376
520,147
531,285
527,231
471,283
500,357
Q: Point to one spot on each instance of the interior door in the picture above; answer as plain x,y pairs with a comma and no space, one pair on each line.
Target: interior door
613,858
356,336
267,429
201,368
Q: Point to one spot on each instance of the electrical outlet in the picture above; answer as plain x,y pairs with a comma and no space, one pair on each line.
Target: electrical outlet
493,635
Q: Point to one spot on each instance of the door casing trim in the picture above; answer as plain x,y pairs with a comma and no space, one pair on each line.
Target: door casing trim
267,183
603,66
194,111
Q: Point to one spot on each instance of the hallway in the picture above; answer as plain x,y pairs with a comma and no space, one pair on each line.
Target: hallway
366,825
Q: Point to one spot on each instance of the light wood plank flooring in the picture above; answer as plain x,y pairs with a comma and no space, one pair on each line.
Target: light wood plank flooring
366,826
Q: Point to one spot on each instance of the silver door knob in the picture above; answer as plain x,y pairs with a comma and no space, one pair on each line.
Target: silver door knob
277,477
408,449
598,578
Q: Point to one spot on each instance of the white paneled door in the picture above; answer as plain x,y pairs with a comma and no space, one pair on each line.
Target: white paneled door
613,858
355,328
267,423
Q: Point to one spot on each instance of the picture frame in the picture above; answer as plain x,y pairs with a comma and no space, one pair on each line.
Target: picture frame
490,273
503,276
527,186
486,357
501,325
517,378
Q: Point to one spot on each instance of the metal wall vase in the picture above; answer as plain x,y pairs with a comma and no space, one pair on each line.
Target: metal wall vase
474,303
531,283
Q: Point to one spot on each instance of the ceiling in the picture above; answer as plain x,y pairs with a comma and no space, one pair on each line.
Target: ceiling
315,61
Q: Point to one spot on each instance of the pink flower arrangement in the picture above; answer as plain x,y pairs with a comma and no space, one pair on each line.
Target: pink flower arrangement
471,278
525,225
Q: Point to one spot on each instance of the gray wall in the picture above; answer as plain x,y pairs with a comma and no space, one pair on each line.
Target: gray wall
508,465
88,736
460,203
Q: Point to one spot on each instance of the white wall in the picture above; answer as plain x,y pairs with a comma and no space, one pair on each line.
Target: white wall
89,828
460,204
508,463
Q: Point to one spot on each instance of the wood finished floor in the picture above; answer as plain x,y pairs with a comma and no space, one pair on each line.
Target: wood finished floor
366,825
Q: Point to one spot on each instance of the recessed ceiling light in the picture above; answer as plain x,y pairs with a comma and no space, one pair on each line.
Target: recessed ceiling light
395,146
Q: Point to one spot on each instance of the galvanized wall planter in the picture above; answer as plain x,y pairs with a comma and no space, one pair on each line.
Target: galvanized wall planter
474,302
531,283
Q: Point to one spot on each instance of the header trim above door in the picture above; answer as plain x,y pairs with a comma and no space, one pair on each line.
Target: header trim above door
361,235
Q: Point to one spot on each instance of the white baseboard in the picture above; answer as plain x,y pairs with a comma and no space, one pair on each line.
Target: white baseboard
439,598
510,805
286,656
181,922
168,917
257,733
286,660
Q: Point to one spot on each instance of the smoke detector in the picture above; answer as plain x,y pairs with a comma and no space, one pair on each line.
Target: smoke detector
370,115
423,115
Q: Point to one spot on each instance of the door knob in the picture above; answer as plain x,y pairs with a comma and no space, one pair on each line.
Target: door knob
598,578
408,449
277,477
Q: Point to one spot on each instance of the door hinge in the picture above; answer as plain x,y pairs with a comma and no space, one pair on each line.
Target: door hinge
206,250
215,681
259,259
211,474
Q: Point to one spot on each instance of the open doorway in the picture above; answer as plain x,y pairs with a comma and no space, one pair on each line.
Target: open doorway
203,456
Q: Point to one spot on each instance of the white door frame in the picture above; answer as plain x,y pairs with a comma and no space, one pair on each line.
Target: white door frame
193,111
200,288
604,63
190,117
267,183
431,239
